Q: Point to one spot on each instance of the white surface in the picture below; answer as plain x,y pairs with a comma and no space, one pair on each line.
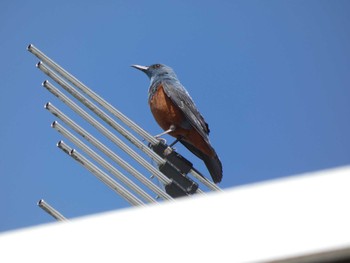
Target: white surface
273,220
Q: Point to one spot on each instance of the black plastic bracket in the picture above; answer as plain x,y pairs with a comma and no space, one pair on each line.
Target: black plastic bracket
186,184
173,157
176,167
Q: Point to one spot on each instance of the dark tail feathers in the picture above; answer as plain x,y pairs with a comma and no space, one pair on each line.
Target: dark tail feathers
213,164
214,167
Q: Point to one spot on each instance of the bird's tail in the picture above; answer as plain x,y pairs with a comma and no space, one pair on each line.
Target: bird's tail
214,167
213,162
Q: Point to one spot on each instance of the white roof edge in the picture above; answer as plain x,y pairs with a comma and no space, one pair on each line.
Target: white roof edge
295,219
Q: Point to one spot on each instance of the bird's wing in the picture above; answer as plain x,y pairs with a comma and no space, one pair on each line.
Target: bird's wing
179,95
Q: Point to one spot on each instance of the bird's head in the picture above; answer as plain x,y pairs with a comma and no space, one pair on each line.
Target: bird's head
156,71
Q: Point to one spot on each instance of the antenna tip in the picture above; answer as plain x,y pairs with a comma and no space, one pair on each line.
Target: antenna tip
47,105
38,64
40,202
53,126
44,83
29,47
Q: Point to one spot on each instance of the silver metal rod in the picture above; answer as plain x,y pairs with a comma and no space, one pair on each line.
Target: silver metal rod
110,121
57,126
31,48
126,166
163,179
119,189
51,211
205,181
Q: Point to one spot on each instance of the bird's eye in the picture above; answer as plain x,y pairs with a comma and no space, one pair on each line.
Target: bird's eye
156,66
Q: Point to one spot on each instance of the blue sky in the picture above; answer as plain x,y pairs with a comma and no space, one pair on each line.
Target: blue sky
270,77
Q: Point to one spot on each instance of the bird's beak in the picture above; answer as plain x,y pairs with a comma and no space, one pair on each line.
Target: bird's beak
142,68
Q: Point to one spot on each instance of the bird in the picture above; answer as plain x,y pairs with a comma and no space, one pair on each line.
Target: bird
176,113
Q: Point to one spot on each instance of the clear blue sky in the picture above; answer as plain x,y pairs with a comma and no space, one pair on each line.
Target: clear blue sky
270,77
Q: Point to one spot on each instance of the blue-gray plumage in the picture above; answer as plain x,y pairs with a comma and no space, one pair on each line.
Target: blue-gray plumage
175,111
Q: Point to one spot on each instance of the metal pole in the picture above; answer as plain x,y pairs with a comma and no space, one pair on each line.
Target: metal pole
51,211
205,181
106,132
108,152
119,189
102,162
31,48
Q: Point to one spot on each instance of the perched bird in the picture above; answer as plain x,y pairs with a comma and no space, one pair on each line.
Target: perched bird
176,113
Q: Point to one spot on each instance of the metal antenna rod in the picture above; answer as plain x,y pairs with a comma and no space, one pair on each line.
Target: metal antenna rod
51,211
57,126
31,48
108,152
205,181
119,189
106,132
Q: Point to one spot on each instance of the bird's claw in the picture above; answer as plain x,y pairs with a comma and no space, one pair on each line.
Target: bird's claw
169,149
162,140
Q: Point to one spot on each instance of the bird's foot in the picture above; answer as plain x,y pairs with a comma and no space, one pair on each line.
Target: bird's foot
175,142
171,129
162,140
